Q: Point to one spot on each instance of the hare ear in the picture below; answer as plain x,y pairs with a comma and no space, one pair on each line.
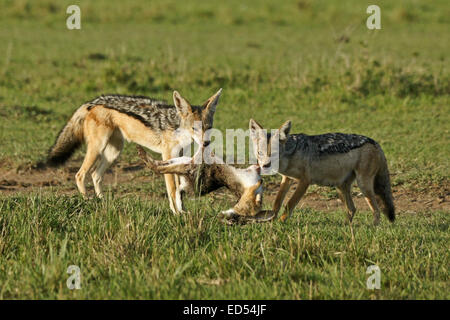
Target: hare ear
182,105
209,107
284,130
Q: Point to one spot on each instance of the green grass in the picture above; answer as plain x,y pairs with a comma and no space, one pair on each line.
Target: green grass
135,249
313,62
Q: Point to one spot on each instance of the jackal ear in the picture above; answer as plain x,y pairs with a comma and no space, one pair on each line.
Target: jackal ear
254,128
210,105
182,105
284,130
253,125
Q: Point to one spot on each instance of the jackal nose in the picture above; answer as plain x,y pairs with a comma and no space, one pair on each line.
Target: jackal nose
266,165
206,143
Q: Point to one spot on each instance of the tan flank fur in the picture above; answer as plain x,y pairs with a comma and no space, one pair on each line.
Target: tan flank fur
333,159
107,121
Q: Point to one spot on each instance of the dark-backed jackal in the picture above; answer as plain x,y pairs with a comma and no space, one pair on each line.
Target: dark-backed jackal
331,159
105,122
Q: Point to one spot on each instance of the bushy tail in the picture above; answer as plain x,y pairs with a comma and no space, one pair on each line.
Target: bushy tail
69,139
382,188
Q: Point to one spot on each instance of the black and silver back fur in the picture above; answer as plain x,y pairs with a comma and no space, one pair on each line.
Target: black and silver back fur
325,144
153,113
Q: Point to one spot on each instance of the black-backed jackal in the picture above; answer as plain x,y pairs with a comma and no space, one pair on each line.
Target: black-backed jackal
105,122
332,159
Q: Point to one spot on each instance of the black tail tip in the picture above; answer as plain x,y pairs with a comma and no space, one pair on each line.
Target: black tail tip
41,165
45,164
53,163
57,160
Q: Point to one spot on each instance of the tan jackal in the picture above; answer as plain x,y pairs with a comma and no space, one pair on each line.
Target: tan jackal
105,122
332,159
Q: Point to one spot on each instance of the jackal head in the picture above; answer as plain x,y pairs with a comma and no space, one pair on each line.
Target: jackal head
268,146
196,120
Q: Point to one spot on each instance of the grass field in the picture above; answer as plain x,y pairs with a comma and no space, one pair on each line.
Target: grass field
313,62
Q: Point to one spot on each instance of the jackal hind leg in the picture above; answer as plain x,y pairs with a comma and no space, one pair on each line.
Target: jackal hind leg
96,143
302,186
365,183
344,191
107,158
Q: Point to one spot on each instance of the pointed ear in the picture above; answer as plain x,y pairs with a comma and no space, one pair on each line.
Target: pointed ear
284,130
254,129
253,125
255,134
209,107
182,105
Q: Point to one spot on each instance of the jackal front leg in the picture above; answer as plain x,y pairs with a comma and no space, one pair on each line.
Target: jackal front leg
284,188
170,185
293,201
170,167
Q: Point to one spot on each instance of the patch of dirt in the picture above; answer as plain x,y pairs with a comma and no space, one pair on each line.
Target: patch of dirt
130,176
405,200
